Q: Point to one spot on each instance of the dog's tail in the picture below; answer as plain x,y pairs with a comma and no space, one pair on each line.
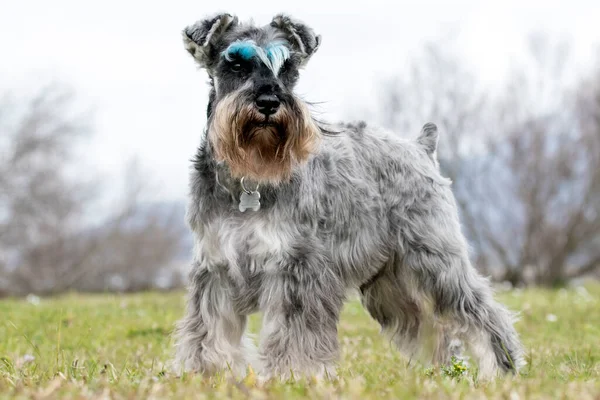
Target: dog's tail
428,138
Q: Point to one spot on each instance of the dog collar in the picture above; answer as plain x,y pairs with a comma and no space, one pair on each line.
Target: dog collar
249,198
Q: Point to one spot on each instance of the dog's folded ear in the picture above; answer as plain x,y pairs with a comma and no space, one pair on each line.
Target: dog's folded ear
201,39
302,38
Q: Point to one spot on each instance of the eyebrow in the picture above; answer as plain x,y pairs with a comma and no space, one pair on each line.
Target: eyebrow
246,49
273,55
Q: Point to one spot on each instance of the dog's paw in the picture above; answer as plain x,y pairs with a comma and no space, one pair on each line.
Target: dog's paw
327,373
317,374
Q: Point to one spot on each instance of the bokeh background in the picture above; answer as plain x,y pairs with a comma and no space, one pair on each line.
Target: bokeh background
101,110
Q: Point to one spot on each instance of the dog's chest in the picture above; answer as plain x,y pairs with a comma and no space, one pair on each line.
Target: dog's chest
245,245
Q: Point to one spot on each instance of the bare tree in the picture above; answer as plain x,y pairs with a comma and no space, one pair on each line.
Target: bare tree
40,205
438,88
134,247
525,164
542,171
48,243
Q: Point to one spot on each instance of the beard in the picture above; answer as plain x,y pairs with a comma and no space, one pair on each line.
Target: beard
264,149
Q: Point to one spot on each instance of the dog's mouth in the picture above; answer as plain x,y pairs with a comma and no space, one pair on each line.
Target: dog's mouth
266,121
265,130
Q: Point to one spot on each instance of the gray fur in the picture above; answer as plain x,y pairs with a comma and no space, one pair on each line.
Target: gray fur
367,211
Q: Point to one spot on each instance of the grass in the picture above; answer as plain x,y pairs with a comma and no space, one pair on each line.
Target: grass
113,346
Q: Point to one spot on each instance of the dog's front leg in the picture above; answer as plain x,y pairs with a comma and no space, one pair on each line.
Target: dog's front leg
211,335
301,300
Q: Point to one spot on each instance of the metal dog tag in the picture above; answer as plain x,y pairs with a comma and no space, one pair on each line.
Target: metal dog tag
250,199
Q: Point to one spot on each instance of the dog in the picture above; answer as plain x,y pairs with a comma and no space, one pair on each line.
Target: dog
289,214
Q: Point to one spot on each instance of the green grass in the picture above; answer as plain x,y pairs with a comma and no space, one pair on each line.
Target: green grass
111,346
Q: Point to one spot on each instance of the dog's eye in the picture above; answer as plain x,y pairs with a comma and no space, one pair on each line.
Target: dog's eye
286,66
237,67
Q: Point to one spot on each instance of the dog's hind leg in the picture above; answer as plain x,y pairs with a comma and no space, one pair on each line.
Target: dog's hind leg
488,331
464,299
390,303
211,335
404,313
435,251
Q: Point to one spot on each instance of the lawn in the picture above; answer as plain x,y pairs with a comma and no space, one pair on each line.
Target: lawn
116,346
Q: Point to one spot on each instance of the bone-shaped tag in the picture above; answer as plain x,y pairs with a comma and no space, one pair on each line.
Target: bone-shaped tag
250,200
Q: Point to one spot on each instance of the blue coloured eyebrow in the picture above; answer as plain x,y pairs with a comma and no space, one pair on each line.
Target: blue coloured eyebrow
273,55
244,49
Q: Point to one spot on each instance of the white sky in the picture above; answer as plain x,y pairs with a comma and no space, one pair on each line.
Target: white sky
126,59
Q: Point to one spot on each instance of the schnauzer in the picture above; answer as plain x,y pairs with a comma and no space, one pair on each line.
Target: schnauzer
289,214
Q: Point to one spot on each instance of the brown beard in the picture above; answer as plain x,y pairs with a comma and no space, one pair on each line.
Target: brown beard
264,150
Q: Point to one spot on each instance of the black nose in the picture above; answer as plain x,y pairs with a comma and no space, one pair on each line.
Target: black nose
267,104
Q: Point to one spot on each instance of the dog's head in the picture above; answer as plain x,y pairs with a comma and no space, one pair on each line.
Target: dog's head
255,122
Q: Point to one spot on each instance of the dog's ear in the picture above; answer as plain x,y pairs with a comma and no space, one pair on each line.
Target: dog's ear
302,38
201,38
